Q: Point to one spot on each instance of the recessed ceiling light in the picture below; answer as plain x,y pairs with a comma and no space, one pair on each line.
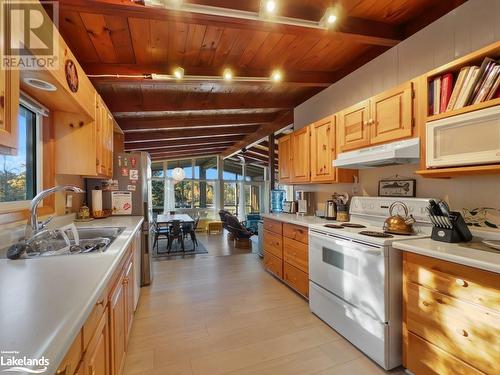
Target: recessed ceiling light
39,84
268,8
277,76
179,73
329,18
228,74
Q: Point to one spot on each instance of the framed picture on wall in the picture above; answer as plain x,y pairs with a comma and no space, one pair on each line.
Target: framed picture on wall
397,188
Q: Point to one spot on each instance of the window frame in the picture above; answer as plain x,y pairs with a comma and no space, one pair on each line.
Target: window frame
36,154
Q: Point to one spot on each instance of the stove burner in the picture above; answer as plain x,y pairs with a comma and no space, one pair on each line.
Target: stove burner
353,225
334,226
376,234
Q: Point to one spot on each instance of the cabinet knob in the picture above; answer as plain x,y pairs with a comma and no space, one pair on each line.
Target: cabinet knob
63,371
461,282
425,303
463,332
100,302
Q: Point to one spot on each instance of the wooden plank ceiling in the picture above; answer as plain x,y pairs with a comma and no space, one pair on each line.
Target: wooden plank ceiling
173,119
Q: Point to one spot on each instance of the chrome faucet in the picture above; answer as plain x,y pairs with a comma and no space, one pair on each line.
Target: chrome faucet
34,226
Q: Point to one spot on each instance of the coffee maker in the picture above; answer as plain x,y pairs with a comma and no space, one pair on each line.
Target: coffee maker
305,202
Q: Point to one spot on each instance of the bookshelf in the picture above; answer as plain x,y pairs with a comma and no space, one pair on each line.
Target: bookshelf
474,59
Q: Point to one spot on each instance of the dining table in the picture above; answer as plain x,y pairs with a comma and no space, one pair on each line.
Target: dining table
168,218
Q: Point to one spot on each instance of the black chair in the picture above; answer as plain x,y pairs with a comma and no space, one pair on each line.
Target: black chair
160,229
237,229
175,233
223,214
192,232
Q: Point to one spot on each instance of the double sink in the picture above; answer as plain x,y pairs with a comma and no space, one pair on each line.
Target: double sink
69,240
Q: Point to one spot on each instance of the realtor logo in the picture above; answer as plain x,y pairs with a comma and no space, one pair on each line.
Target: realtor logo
31,40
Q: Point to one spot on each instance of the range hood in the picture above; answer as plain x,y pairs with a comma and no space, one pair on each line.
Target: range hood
401,152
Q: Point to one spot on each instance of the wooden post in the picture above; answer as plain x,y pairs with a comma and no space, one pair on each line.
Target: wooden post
272,162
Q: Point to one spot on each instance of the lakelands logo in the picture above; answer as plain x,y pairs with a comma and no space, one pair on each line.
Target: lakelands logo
12,362
30,37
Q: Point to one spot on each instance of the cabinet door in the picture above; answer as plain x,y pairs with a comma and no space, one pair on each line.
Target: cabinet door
118,327
284,158
323,150
97,361
301,166
129,298
353,127
392,114
9,108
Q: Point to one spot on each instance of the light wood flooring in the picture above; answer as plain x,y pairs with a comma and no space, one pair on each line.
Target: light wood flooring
209,314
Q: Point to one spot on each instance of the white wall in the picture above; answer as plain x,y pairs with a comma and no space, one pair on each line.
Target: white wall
471,26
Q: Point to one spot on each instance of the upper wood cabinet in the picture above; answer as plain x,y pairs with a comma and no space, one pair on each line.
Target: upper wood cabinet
323,150
383,118
284,158
391,114
353,127
9,110
301,166
83,147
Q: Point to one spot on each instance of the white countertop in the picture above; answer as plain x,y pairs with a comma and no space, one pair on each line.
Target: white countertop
45,301
303,220
462,253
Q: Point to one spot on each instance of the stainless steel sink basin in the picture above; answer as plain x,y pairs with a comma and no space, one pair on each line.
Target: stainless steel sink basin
63,242
107,232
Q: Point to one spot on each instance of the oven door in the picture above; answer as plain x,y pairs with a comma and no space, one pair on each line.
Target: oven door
353,271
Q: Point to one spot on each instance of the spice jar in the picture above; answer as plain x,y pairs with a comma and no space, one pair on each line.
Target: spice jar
342,213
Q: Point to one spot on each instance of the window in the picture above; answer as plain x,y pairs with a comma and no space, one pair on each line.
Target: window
233,171
252,199
157,169
206,168
254,173
183,192
204,194
18,172
158,192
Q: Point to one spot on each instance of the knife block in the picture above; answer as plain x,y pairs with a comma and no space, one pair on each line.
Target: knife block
446,235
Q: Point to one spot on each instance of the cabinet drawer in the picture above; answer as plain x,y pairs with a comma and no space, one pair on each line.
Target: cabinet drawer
459,328
296,232
273,244
273,264
297,279
296,253
462,282
93,320
72,359
424,358
273,226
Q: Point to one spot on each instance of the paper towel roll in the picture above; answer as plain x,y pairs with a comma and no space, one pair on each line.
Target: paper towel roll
96,200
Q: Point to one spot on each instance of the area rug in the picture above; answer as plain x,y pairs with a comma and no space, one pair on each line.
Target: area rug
176,251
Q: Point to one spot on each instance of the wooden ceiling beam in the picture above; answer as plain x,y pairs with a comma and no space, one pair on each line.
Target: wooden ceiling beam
188,142
348,28
257,151
199,101
281,121
194,121
183,134
182,148
166,156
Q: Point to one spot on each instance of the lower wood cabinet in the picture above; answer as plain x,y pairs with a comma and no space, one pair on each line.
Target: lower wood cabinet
101,344
118,325
286,254
451,317
96,360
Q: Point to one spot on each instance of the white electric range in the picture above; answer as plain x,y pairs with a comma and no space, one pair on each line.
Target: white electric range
356,279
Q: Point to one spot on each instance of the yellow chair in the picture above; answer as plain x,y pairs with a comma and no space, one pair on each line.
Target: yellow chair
214,227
